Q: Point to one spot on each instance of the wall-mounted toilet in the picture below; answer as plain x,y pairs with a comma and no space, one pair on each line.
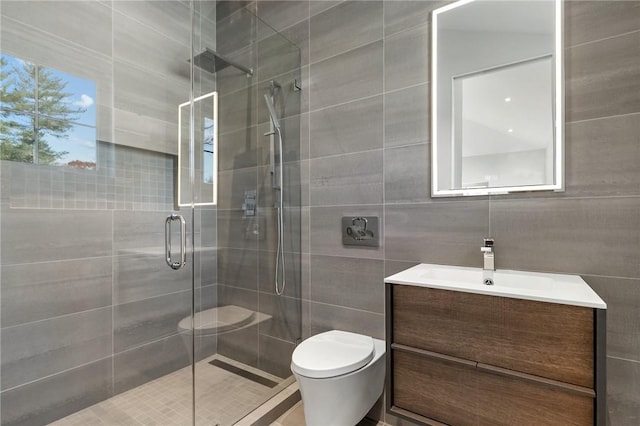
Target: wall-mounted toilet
340,374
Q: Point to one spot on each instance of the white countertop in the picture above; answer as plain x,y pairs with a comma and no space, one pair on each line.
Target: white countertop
552,288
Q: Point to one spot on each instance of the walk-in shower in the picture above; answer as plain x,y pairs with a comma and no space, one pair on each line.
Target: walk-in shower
95,327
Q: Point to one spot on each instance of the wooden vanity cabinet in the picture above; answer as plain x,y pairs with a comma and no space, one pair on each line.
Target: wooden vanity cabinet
460,359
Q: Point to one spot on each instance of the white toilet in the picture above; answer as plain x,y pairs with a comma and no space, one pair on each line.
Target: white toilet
340,374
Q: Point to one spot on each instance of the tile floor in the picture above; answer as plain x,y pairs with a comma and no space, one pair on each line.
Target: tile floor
295,417
222,399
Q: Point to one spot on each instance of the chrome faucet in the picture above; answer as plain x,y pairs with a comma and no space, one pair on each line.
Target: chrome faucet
489,265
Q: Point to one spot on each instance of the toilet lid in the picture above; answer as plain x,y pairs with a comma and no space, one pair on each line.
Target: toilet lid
331,354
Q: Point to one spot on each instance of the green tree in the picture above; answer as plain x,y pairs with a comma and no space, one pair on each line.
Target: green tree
34,105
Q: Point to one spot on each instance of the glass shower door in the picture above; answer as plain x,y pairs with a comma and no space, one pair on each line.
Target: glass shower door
246,331
96,327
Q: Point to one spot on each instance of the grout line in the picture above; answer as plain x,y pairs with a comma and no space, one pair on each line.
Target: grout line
150,342
343,103
57,373
601,39
83,259
145,25
624,359
347,307
602,118
347,154
59,39
29,323
333,56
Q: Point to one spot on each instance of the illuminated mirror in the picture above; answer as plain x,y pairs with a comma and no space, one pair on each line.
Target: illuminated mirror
204,163
497,97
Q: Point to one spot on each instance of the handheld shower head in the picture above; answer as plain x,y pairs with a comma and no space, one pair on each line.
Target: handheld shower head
272,112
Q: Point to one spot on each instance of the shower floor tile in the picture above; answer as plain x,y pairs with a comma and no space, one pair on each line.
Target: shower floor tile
222,398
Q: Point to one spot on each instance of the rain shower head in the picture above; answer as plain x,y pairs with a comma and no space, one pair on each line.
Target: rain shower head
211,61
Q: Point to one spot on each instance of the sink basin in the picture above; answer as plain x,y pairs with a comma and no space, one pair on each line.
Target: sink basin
553,288
501,278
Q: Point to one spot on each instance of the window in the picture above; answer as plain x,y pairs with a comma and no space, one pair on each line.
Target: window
46,116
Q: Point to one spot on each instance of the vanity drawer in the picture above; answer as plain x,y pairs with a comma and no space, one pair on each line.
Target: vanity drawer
544,339
461,394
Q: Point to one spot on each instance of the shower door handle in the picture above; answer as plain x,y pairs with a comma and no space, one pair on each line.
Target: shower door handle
183,241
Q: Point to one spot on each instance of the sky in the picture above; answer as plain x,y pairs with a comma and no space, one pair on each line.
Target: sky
80,142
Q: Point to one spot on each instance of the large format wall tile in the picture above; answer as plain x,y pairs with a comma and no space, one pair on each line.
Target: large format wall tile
237,231
140,276
347,179
330,317
406,116
232,186
31,235
344,27
238,149
236,110
599,236
139,230
283,14
147,320
240,345
351,282
348,76
145,363
326,231
602,156
266,273
146,47
144,132
406,58
319,6
54,397
276,56
84,23
274,356
587,21
299,35
603,78
623,389
233,295
36,291
407,174
285,313
448,233
172,18
238,268
351,127
38,349
400,15
148,93
235,31
622,297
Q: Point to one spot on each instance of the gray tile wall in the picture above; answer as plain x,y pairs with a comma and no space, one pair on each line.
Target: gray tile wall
88,306
366,150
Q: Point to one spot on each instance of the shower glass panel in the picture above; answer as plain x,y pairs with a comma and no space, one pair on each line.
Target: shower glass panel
246,333
95,326
97,100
